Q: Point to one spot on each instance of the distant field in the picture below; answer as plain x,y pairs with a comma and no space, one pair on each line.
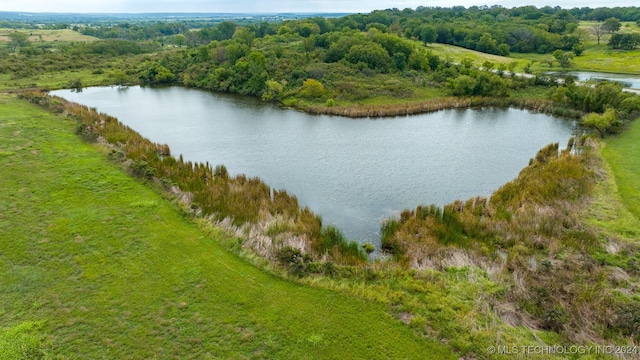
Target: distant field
595,58
96,265
456,54
627,27
605,59
49,35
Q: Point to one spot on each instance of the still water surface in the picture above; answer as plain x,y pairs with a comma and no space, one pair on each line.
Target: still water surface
627,81
353,172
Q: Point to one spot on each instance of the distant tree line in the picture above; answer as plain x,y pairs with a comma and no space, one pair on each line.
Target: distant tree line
494,30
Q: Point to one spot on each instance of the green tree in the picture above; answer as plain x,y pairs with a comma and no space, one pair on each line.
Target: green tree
466,62
307,29
488,65
224,31
179,40
151,72
312,88
489,84
611,25
244,36
564,58
601,122
17,40
257,69
559,95
428,35
624,41
399,61
372,54
393,44
273,90
235,51
504,50
463,85
487,44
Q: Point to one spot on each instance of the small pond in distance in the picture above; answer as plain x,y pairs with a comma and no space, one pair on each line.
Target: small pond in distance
353,172
627,81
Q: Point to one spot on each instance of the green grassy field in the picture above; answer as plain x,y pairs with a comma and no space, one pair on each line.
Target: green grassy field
37,36
456,54
605,59
58,80
96,265
595,58
623,155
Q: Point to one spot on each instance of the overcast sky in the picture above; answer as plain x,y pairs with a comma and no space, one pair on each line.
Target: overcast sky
249,6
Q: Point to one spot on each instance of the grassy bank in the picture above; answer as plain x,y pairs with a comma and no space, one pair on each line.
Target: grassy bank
97,265
623,154
535,102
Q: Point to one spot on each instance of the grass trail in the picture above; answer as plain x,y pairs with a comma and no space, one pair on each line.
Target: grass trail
623,155
106,268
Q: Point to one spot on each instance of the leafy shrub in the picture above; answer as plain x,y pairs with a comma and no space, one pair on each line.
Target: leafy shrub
288,256
368,248
312,88
628,319
142,169
87,133
293,259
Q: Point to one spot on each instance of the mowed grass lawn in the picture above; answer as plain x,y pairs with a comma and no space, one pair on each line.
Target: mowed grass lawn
108,269
623,155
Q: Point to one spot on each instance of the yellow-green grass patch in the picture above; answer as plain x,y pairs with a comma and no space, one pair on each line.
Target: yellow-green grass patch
623,155
48,35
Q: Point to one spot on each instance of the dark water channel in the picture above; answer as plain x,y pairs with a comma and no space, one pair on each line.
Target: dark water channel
353,172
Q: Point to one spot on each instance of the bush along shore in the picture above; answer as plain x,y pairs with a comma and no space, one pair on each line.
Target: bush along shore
539,105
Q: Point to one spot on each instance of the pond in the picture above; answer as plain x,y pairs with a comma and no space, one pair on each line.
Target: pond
627,81
352,172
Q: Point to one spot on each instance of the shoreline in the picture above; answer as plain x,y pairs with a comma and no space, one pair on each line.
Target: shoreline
438,104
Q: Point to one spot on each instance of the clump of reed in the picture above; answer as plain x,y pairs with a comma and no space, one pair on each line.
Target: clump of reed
432,105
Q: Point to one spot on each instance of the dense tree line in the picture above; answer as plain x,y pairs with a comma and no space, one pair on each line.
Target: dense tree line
494,30
603,13
312,58
134,32
289,64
